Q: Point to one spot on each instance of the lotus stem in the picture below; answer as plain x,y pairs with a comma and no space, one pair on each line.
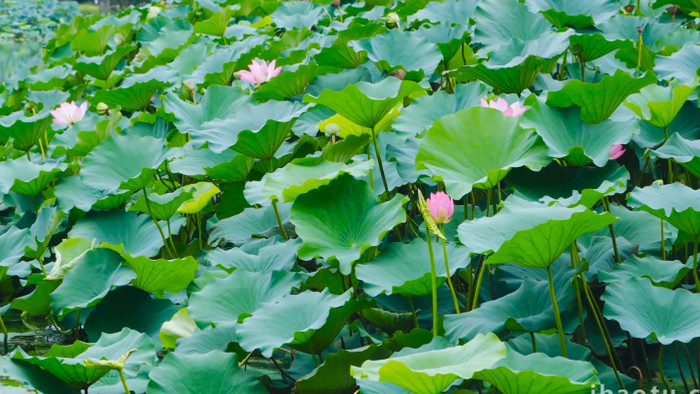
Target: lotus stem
690,364
477,287
695,264
638,8
5,335
665,133
611,228
534,342
279,220
639,51
447,271
555,306
579,303
170,236
661,368
663,242
433,282
680,367
160,230
379,162
413,312
123,379
371,175
198,218
583,68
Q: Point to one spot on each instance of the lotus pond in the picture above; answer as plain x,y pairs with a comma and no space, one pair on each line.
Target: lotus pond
388,196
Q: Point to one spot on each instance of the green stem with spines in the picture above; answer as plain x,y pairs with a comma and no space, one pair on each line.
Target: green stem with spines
557,317
279,220
447,271
433,283
379,163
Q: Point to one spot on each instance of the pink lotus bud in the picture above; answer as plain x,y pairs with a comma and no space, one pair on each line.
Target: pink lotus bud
616,151
515,109
441,207
69,113
259,72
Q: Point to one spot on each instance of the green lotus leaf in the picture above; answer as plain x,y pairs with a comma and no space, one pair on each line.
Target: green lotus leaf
300,177
250,223
427,370
261,257
346,225
30,377
161,206
340,56
161,35
101,67
124,231
288,84
476,147
158,276
578,15
448,12
683,3
24,131
593,46
263,143
130,307
135,97
202,193
26,177
579,185
645,310
37,303
12,245
180,326
217,23
527,309
177,70
539,373
72,192
388,52
344,150
213,372
293,320
347,127
585,95
68,253
366,103
499,21
675,203
450,40
405,268
659,105
226,166
660,272
294,15
682,151
81,138
203,341
239,295
95,42
103,268
68,362
681,66
564,133
123,162
506,79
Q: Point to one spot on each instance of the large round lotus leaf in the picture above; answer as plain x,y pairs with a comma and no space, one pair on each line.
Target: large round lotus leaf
487,234
681,66
241,293
296,15
425,110
659,105
24,131
541,245
427,370
499,21
288,84
577,14
614,89
299,177
527,309
202,193
508,78
161,206
292,320
684,152
73,192
215,372
593,46
578,185
366,103
159,276
538,373
676,203
126,231
162,34
448,12
564,133
262,257
342,219
129,98
103,268
101,67
248,224
265,142
180,326
476,147
661,272
203,341
26,177
12,244
123,161
646,310
388,52
216,24
405,268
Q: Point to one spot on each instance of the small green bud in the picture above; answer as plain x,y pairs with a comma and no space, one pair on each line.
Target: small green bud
102,109
332,129
393,20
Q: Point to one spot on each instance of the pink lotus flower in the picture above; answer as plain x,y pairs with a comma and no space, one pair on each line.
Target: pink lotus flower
441,207
501,104
259,72
69,113
616,151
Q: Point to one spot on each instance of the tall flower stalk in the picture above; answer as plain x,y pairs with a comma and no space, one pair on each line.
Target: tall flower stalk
431,227
441,208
